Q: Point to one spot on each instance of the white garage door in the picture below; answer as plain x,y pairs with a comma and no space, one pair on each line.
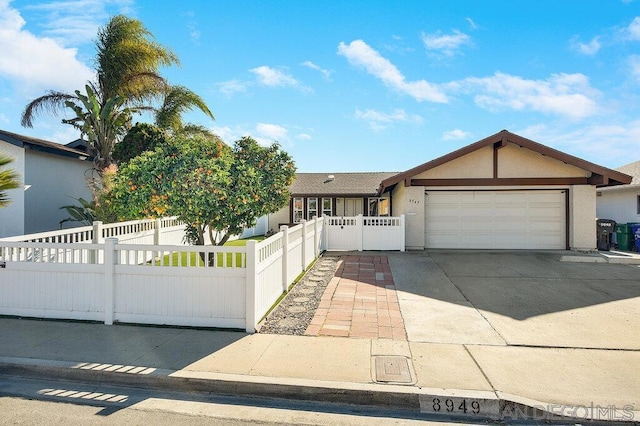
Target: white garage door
496,219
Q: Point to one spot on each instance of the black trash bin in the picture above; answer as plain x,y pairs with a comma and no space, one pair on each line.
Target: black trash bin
605,228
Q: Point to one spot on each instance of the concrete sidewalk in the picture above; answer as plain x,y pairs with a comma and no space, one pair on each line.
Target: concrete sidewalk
476,381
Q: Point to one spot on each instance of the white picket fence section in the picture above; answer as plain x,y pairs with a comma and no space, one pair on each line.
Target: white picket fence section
211,286
364,233
168,230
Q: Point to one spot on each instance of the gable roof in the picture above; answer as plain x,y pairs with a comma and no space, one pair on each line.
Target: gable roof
344,184
41,145
633,170
601,176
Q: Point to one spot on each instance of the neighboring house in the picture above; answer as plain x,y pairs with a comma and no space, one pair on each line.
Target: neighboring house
50,173
333,194
79,145
502,192
621,203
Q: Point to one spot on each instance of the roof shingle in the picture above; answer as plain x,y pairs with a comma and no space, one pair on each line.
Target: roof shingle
356,184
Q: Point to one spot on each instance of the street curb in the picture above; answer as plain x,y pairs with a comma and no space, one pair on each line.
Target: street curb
414,400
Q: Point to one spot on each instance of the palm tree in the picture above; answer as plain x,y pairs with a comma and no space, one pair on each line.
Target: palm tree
8,180
128,81
127,63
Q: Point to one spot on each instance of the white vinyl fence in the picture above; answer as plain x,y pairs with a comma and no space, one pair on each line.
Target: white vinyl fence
168,230
70,276
364,233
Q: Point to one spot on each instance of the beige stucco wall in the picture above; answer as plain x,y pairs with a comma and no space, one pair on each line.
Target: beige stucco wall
410,202
477,164
517,162
12,216
53,179
582,217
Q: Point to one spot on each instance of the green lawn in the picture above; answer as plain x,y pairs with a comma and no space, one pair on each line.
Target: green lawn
243,242
194,259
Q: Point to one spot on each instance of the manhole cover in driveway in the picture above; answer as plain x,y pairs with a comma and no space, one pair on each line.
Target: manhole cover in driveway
392,369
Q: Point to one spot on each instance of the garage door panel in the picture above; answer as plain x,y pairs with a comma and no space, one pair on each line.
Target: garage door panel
496,219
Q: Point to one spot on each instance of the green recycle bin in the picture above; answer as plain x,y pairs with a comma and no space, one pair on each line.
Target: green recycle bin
624,236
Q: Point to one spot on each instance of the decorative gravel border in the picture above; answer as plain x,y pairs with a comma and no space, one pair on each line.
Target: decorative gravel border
295,311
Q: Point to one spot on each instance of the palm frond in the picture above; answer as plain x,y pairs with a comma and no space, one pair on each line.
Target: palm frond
52,103
178,100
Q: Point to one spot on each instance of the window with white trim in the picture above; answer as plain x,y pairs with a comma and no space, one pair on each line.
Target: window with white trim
327,207
298,209
312,208
379,207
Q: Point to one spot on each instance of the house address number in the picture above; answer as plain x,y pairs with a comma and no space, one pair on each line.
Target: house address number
451,406
454,405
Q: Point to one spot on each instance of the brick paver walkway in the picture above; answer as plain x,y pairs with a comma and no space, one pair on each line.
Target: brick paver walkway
360,301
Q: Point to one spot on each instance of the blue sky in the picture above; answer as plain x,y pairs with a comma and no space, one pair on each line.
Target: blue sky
360,85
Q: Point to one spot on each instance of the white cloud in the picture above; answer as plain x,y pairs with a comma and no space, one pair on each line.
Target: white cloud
360,54
608,144
455,134
64,135
380,120
304,136
568,95
73,22
633,30
272,77
325,73
271,131
232,87
589,49
35,62
264,133
472,24
448,44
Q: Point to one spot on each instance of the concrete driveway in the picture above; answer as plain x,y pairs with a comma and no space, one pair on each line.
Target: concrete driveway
517,299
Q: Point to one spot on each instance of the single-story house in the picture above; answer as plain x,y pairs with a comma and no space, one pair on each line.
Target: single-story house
50,173
621,203
333,194
502,192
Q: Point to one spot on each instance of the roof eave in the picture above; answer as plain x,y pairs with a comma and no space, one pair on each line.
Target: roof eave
609,177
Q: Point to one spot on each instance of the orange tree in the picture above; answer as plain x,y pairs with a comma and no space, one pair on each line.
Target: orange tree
216,189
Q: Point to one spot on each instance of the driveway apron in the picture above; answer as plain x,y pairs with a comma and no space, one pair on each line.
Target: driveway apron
433,308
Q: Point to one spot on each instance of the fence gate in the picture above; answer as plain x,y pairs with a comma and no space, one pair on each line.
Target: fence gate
364,233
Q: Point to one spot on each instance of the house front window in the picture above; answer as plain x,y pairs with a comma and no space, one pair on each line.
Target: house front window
312,208
298,209
379,207
327,207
